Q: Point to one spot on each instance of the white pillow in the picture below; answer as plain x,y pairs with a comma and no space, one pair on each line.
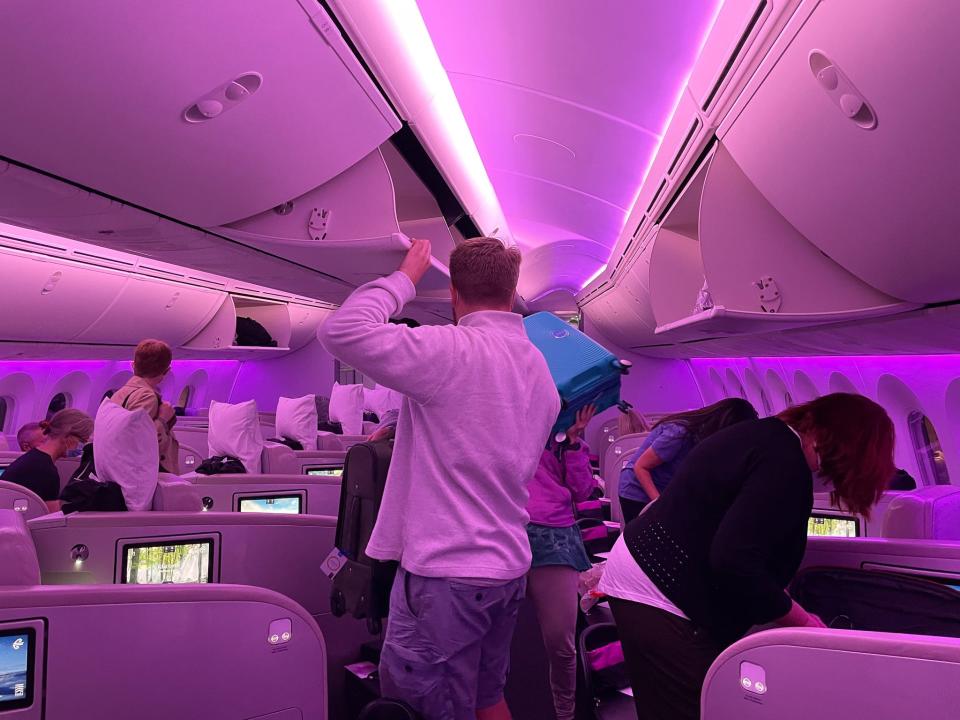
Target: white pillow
346,407
297,420
235,431
127,452
380,400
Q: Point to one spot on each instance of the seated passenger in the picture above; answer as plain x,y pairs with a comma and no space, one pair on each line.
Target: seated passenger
902,480
151,363
454,508
387,427
713,555
563,478
650,469
29,436
35,469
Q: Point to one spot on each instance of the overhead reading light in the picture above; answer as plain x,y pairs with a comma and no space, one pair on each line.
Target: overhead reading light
397,40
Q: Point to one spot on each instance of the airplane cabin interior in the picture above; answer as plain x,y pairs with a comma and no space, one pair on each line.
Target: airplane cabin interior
716,202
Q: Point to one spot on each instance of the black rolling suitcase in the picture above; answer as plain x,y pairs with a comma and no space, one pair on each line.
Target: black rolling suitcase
362,586
854,599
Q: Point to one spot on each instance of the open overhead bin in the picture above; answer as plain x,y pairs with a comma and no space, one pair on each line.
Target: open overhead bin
205,112
349,228
725,262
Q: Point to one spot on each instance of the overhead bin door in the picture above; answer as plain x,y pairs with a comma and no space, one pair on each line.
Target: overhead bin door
205,111
851,137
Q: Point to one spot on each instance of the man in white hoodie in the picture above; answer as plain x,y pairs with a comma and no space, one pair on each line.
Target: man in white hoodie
478,408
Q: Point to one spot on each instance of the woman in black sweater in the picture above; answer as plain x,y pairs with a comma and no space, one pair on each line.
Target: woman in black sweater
712,556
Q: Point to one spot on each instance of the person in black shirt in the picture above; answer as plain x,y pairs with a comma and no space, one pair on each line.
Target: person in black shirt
713,556
36,469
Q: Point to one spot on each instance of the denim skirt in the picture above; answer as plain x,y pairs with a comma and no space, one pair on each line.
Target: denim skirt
558,546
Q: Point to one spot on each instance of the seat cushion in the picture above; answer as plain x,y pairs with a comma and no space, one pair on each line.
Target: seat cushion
235,431
297,420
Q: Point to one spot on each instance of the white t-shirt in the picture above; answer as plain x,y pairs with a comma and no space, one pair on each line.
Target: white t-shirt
623,578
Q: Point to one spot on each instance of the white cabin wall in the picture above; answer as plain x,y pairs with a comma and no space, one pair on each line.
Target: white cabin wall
901,384
308,371
28,386
653,385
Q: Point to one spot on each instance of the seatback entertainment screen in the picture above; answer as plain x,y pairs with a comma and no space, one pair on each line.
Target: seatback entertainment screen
16,668
283,504
823,525
168,562
325,471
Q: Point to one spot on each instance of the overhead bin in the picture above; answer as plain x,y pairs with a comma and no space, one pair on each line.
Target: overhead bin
222,110
850,137
347,228
724,262
44,300
172,312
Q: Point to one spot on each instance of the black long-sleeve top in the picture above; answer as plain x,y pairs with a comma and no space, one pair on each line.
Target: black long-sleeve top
729,532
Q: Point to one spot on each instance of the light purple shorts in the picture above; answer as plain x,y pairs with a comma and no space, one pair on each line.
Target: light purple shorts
447,649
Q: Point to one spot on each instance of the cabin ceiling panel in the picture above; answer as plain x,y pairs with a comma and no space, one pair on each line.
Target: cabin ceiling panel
625,59
530,198
530,133
537,77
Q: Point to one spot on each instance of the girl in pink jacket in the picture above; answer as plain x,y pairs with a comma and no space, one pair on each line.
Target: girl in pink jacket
563,478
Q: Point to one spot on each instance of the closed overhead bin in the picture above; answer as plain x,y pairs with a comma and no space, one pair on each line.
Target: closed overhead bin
222,109
850,135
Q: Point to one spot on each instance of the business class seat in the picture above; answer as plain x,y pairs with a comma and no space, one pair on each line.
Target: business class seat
612,462
798,674
20,565
278,459
105,652
24,501
279,552
307,494
931,513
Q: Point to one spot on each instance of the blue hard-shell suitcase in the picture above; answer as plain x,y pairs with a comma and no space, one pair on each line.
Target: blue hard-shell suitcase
584,371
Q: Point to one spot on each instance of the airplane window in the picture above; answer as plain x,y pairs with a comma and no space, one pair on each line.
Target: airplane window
108,394
185,396
787,400
3,413
765,401
735,386
926,444
57,403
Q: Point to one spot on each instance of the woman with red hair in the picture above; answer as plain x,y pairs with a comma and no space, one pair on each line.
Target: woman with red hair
713,555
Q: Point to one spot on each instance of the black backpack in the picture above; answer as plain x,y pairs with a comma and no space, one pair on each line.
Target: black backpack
250,333
362,586
90,495
87,469
854,599
221,465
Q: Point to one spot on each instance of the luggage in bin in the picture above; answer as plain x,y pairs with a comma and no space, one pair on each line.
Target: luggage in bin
362,586
585,372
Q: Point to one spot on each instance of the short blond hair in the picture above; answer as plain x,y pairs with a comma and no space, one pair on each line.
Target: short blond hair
484,271
68,422
152,358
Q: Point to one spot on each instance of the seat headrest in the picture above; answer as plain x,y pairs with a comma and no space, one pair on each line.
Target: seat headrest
175,494
278,459
20,565
931,513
